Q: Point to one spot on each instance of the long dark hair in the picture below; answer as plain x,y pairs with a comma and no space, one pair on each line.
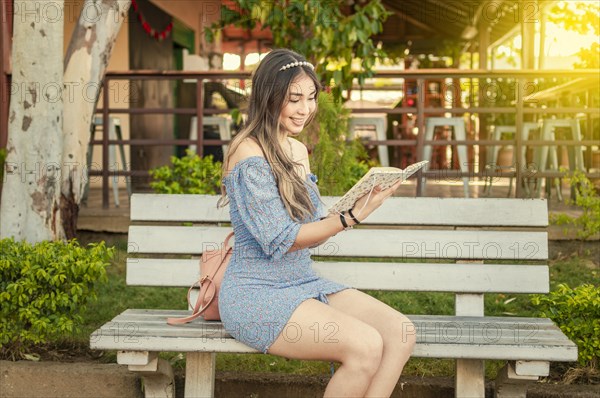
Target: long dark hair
270,87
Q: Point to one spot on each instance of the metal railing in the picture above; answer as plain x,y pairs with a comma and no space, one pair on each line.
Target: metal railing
522,106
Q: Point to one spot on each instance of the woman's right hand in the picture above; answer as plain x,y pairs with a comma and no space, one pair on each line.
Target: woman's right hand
369,204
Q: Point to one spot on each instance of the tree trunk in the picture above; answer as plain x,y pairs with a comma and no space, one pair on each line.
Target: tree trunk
85,64
31,192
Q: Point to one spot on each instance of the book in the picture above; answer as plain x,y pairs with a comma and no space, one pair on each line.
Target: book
385,177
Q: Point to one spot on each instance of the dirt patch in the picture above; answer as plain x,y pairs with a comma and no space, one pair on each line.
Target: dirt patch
66,352
561,249
65,380
88,379
111,239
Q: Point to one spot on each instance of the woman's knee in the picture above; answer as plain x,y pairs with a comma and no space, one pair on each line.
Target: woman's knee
366,351
408,331
400,336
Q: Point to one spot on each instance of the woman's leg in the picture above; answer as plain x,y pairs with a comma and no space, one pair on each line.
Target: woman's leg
317,331
397,331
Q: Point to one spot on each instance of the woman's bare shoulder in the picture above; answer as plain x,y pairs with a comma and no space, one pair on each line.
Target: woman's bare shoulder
299,147
246,149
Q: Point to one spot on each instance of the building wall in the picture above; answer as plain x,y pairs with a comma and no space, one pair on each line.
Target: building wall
196,14
149,54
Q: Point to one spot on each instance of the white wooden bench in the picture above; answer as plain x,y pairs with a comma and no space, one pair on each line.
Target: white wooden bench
467,235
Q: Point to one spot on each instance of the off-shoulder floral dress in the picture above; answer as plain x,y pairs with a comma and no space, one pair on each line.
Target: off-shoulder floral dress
264,284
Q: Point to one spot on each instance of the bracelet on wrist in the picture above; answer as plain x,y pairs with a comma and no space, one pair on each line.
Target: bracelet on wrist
353,218
344,223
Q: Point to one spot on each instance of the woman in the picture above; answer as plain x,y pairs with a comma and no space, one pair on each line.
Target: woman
270,298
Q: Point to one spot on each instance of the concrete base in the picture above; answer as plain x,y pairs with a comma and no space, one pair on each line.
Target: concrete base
66,380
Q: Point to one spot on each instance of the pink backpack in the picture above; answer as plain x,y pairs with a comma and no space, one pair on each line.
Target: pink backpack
212,268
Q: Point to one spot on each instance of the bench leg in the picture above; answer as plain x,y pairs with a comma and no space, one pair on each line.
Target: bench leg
157,377
510,384
470,378
200,374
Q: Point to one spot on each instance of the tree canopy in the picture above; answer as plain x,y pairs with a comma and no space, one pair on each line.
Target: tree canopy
319,30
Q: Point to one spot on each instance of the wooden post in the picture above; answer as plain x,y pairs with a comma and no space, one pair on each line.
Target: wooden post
5,40
421,129
519,167
199,117
484,43
105,132
542,56
528,17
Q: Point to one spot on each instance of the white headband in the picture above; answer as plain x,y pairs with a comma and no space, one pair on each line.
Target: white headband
297,63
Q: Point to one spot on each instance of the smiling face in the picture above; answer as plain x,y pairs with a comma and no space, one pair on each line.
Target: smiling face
298,106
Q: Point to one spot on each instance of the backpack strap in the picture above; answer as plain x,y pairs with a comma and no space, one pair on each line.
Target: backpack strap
210,293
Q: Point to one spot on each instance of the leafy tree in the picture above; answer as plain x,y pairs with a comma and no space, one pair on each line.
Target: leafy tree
581,17
318,30
331,40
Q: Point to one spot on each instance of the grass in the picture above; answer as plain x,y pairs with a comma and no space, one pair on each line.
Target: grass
115,296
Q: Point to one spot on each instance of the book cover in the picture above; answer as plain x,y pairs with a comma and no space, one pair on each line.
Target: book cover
382,176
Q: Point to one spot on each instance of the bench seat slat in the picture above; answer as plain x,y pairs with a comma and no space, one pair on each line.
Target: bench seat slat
437,336
439,330
151,314
461,330
462,278
466,244
420,211
428,322
428,332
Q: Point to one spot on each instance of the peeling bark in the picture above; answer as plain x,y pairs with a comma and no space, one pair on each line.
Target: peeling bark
48,139
69,212
31,190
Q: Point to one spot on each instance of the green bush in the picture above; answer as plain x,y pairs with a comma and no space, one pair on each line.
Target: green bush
586,197
188,175
577,313
44,288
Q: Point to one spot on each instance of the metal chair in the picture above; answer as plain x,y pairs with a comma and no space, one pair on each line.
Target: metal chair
380,124
575,154
493,150
223,123
459,133
114,132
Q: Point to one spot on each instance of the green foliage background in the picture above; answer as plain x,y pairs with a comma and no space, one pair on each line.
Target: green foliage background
577,312
337,162
318,30
190,174
44,288
587,199
581,17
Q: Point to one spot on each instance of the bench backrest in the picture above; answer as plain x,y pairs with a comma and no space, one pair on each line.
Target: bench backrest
408,244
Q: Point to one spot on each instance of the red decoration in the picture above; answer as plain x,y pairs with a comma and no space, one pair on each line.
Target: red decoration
159,36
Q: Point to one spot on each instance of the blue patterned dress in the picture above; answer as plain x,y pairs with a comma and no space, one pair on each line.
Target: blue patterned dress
263,284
